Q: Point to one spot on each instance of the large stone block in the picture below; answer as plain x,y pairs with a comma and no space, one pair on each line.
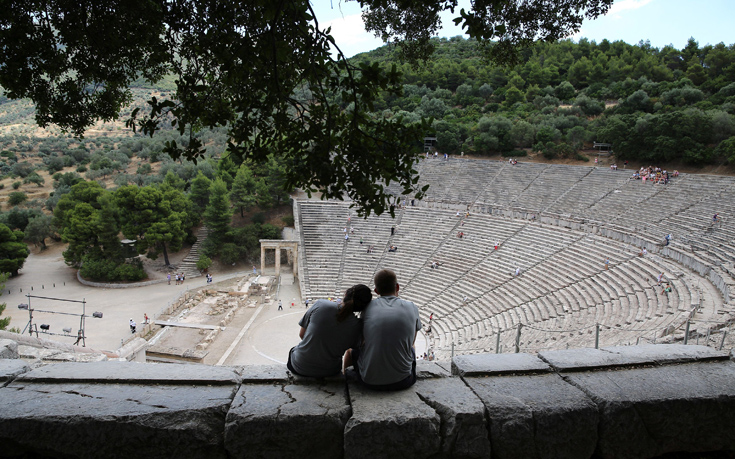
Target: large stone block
117,372
431,369
464,430
668,353
8,349
287,421
10,368
92,420
622,356
390,424
264,373
118,409
36,353
647,412
537,416
497,364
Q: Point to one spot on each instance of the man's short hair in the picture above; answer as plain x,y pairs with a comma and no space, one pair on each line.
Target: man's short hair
385,282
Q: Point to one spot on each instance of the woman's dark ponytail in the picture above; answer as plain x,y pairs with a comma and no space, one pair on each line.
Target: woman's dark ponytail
356,299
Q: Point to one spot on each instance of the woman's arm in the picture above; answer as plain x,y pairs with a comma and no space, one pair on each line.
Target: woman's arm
301,332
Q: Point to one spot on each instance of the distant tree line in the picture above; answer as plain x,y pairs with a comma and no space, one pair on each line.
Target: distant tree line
651,104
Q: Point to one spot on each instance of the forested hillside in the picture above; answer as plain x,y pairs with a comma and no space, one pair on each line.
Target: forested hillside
89,192
652,104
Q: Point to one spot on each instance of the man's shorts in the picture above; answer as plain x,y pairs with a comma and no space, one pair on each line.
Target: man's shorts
405,383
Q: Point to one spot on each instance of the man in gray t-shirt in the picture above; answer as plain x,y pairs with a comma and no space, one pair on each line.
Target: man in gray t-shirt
387,360
324,340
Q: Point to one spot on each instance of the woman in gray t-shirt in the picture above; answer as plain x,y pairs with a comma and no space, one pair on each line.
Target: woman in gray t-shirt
327,330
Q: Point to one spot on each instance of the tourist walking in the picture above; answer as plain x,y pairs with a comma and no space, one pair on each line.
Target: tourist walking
280,305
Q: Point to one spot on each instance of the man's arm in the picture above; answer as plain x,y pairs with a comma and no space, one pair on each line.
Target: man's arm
304,322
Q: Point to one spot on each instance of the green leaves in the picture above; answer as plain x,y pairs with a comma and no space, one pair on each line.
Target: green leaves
13,252
266,70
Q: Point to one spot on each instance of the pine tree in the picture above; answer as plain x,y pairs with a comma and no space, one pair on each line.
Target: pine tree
199,192
243,189
218,214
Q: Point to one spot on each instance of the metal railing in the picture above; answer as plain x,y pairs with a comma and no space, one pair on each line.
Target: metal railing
707,332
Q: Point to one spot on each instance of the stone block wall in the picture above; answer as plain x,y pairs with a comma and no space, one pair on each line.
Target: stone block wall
619,402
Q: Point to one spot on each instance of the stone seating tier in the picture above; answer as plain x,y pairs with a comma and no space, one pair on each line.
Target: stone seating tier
563,269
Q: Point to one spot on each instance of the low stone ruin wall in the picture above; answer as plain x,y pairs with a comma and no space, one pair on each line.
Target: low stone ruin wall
620,402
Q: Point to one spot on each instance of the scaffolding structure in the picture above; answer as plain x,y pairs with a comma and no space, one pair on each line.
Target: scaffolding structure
45,329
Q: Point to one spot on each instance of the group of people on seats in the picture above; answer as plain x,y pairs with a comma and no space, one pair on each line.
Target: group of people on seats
654,174
379,344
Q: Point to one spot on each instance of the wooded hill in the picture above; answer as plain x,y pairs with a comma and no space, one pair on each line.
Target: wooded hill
651,104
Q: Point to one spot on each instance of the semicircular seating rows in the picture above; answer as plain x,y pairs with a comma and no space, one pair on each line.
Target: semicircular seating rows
557,224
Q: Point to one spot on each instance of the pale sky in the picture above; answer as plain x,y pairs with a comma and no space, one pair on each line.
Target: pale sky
663,22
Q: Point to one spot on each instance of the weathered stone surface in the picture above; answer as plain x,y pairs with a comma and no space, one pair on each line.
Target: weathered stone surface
446,365
10,368
61,357
114,420
647,412
390,424
264,373
119,409
38,342
581,359
36,353
426,369
277,420
193,355
496,364
537,416
90,358
8,349
132,372
669,353
590,359
463,426
298,379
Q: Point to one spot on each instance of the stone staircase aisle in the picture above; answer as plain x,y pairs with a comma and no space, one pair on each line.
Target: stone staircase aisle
189,264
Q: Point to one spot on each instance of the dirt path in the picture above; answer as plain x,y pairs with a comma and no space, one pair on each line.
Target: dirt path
46,275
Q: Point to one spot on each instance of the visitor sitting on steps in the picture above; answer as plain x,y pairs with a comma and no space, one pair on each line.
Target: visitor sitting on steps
327,331
386,360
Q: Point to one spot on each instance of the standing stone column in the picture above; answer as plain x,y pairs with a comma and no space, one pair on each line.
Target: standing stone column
295,260
262,259
278,260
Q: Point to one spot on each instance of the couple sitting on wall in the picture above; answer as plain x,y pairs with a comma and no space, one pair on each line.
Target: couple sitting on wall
379,344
